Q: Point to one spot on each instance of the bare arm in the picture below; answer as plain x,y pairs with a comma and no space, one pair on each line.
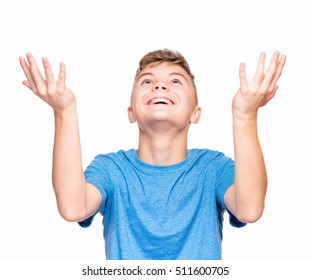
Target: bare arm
246,198
76,199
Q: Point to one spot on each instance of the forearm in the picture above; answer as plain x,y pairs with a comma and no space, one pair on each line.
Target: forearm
67,174
250,181
246,199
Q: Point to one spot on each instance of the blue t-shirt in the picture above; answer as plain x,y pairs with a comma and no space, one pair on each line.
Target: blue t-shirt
162,212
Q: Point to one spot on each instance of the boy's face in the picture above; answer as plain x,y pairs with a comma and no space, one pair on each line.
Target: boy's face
163,93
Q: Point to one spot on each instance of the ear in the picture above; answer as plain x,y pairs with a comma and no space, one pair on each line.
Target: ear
196,115
131,115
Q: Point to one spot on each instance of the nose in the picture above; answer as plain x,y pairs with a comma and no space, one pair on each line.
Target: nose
160,86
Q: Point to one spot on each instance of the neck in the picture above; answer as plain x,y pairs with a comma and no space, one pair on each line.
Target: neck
162,148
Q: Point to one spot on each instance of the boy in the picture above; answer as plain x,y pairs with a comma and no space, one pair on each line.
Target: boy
162,201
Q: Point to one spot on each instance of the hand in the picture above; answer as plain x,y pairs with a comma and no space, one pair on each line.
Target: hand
55,93
257,92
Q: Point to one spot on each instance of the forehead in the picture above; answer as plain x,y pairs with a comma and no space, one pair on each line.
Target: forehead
163,69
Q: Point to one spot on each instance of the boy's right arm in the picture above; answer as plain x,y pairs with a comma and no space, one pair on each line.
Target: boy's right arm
76,199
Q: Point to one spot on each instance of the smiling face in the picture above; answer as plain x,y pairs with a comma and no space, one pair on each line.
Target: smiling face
163,92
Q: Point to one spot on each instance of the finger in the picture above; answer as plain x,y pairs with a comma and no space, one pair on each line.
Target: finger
61,77
278,71
36,74
259,75
26,83
270,96
242,76
49,76
30,83
270,73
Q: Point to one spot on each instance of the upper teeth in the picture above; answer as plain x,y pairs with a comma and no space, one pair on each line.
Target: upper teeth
160,99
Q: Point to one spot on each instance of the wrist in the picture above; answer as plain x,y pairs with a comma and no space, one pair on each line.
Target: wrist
246,117
245,127
68,113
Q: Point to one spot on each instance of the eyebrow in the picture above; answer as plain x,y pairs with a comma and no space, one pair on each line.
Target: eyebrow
171,74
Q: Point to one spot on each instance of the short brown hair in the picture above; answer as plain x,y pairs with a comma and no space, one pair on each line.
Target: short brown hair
166,55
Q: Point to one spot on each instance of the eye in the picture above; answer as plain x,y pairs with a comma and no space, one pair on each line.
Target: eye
176,81
146,81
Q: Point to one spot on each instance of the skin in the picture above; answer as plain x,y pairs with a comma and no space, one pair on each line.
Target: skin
163,128
76,199
246,198
163,131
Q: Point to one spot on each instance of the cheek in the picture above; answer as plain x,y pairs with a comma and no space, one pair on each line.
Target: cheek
135,107
137,94
190,101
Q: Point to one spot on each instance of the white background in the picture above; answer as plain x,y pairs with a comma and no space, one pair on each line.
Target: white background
101,43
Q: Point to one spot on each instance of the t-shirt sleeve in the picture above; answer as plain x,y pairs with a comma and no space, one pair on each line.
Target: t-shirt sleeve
96,175
225,180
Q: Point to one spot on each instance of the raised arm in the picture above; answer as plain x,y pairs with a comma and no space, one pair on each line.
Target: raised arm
246,198
76,199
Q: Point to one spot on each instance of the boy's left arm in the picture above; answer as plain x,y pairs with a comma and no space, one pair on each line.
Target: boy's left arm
245,199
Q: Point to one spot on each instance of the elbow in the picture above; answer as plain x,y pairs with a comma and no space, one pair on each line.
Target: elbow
72,216
249,216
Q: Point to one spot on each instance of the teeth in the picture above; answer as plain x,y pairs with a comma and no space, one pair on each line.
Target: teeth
160,99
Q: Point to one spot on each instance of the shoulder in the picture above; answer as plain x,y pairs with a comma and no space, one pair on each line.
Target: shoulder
207,154
210,159
121,155
110,161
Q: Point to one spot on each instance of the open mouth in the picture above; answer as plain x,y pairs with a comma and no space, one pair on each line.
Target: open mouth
160,101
